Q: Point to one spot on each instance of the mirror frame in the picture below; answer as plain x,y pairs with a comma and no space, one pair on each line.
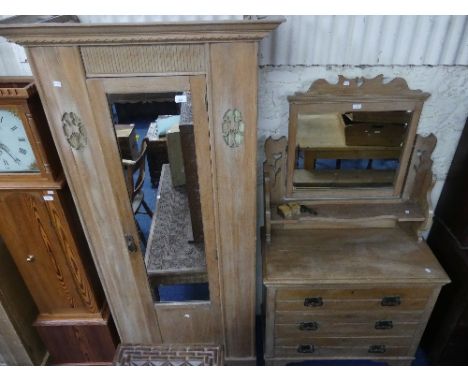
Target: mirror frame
351,95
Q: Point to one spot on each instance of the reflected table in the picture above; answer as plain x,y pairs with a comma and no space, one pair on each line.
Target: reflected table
171,255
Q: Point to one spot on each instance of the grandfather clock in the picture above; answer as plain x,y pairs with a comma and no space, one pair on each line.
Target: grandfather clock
40,227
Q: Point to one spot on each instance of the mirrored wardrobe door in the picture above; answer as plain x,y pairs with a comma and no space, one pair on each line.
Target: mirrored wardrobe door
159,129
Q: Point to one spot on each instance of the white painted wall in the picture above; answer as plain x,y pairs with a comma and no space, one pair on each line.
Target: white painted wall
368,40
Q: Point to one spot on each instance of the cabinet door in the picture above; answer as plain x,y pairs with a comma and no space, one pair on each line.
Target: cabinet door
35,230
178,278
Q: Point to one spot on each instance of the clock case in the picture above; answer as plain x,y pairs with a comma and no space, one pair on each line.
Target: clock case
40,227
19,95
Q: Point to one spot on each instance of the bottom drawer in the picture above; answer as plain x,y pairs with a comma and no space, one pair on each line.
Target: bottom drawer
344,347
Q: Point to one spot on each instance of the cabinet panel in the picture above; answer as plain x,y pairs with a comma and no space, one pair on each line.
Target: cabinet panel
34,228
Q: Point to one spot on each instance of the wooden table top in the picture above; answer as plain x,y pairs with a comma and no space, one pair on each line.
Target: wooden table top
349,255
170,248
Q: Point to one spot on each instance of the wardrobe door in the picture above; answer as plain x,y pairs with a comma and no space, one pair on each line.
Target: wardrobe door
174,266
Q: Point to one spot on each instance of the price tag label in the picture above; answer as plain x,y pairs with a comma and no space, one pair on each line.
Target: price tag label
57,84
48,198
357,106
180,98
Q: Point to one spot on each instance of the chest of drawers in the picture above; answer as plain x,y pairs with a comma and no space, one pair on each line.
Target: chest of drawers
347,294
347,274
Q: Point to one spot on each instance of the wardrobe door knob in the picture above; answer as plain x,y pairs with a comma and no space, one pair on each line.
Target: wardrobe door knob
30,258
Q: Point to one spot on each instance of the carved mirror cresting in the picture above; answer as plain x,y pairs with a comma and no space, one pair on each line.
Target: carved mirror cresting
351,139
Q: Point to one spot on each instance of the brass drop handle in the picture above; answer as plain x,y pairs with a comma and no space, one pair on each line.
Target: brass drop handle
309,326
391,301
313,301
384,324
30,258
306,349
377,349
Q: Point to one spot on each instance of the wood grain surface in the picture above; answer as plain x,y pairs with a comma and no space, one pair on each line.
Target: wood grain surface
227,176
354,255
45,252
234,86
79,341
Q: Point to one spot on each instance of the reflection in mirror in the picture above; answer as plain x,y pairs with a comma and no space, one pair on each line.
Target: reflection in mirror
353,149
156,140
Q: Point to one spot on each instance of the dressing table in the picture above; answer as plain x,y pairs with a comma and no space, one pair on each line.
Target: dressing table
348,275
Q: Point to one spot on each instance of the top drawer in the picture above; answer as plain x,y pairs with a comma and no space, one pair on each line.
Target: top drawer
414,298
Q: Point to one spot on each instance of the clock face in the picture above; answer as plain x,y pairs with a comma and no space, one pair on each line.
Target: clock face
16,153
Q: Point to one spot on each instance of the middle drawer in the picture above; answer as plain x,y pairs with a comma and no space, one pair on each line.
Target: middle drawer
299,324
304,324
379,328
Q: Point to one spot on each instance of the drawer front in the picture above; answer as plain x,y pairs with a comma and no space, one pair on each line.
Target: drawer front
308,329
342,300
350,305
344,347
287,294
285,317
345,341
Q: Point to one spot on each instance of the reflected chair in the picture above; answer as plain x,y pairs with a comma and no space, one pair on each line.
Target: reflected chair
135,186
